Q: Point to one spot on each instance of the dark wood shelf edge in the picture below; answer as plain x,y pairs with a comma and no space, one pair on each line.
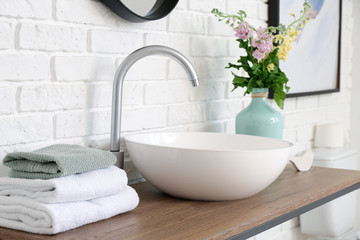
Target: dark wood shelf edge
290,215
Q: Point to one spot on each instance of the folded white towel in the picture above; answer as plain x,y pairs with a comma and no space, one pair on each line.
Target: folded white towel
78,187
31,216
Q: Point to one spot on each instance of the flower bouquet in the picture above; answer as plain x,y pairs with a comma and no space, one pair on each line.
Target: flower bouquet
264,48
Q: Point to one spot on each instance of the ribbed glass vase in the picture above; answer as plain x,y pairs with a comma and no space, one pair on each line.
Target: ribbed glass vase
259,118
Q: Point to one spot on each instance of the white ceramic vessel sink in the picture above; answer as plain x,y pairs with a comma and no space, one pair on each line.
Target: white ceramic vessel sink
208,166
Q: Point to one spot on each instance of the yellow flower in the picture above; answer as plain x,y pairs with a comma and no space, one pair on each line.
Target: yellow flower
278,38
282,54
270,67
292,33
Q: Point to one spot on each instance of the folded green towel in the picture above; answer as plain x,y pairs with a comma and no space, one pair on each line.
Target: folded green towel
57,160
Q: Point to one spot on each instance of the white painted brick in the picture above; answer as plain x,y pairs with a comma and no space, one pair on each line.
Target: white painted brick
133,94
185,22
346,37
295,119
292,223
52,97
208,91
346,67
86,12
73,124
158,25
347,51
149,68
15,130
206,5
177,72
100,122
39,9
96,13
237,93
266,235
289,135
6,35
181,5
101,94
234,50
293,233
83,68
307,102
315,116
186,113
246,101
348,22
230,126
144,118
216,27
347,81
263,11
305,133
250,7
299,148
207,127
51,38
80,123
179,43
257,23
289,104
212,68
208,47
327,99
224,109
24,67
164,93
336,113
347,8
115,42
7,102
344,83
344,97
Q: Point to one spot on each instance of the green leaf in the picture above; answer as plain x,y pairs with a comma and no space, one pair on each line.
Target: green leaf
233,66
240,81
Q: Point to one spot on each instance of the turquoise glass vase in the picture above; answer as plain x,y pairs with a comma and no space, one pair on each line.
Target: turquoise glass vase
259,118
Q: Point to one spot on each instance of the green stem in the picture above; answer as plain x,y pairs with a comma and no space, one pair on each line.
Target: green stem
306,8
230,17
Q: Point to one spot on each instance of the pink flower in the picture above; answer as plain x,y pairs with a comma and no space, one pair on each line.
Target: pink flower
263,42
243,31
258,55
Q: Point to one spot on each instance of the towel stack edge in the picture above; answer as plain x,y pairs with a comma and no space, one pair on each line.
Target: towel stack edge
61,187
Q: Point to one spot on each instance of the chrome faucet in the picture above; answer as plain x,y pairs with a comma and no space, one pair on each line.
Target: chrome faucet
115,135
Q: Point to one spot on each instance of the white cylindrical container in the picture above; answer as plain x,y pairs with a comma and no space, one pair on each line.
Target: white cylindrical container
329,135
338,216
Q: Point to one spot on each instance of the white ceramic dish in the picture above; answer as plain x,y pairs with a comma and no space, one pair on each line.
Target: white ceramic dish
208,166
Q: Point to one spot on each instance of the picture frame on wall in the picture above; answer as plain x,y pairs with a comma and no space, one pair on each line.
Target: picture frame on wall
313,65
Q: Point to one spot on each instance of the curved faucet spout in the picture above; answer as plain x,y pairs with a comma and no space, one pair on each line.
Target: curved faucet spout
118,89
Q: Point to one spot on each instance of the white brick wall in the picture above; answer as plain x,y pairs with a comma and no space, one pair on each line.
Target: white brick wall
58,59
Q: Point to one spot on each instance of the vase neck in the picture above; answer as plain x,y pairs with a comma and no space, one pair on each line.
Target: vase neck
260,93
259,96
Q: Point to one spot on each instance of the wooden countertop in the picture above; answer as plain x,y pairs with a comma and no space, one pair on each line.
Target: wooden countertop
160,216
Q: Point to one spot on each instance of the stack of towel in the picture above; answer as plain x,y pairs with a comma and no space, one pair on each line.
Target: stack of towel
62,187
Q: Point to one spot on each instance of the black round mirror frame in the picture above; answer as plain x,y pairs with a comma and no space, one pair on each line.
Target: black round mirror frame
160,9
